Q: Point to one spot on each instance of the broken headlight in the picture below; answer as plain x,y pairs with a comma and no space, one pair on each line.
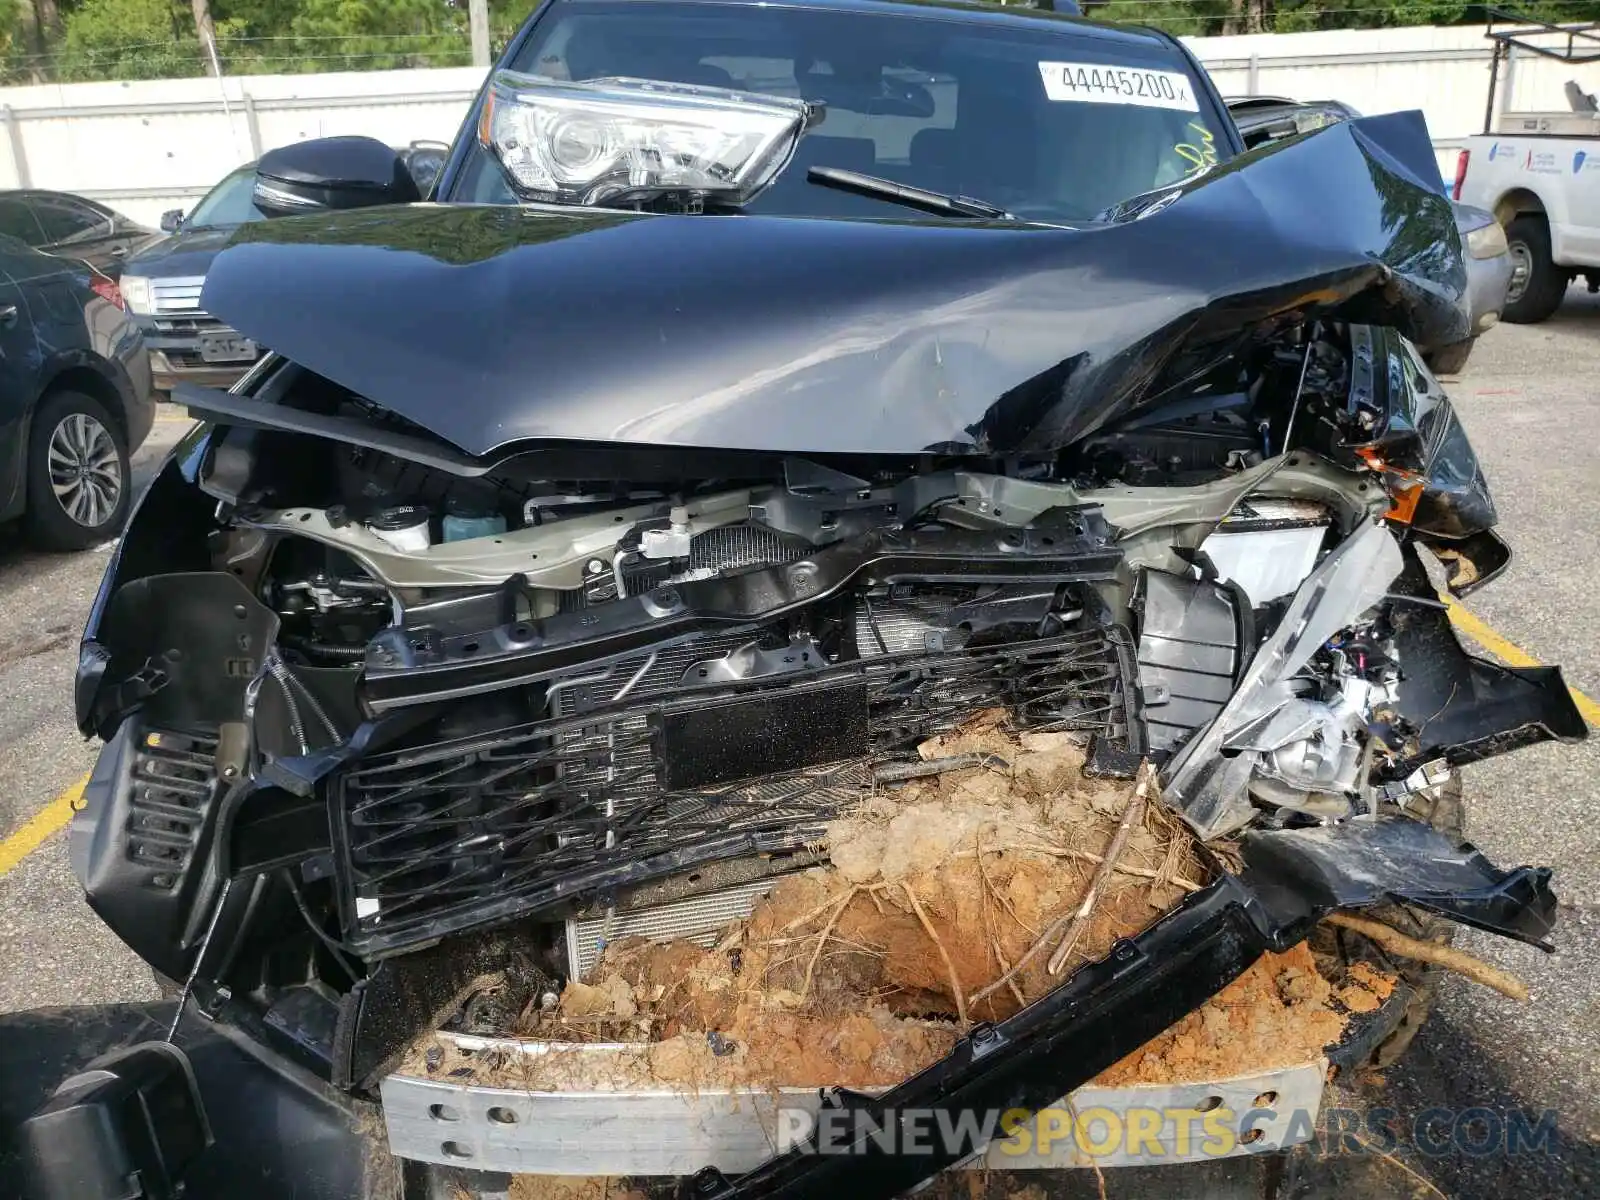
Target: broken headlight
620,140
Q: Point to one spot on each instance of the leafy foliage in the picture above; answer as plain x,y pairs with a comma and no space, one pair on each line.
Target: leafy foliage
156,39
1212,17
43,40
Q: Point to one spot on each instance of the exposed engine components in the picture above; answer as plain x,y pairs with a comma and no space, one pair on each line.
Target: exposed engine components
1317,749
1210,777
1190,653
672,542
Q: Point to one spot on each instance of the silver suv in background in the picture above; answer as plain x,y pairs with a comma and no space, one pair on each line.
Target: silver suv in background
161,284
161,287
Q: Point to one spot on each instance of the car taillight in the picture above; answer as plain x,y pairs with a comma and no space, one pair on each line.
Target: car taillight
1462,156
108,291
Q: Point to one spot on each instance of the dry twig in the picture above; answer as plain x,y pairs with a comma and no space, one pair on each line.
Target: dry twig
1451,959
1099,1175
1088,856
977,848
950,967
822,940
1132,816
806,916
987,888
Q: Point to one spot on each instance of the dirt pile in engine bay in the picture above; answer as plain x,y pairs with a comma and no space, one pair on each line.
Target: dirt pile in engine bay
849,974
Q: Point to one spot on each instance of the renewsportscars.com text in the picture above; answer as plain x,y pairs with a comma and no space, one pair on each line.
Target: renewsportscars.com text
1154,1134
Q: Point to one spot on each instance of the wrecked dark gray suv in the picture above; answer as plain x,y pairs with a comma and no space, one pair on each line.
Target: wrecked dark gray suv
797,422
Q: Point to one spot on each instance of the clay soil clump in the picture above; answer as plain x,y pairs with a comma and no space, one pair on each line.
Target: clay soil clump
859,973
850,974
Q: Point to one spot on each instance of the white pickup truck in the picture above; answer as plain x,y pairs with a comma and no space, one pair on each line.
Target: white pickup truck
1540,176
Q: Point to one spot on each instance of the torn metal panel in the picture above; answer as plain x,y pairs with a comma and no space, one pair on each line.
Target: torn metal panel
1466,708
1207,787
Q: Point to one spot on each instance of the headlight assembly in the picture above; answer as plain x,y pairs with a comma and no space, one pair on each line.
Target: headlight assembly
1487,241
610,141
136,293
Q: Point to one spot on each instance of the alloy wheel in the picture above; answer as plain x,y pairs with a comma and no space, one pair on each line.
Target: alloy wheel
85,471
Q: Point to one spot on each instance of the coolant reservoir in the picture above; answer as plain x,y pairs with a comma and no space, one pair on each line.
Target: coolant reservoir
461,523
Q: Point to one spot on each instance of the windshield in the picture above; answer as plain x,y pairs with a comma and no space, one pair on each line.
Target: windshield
228,203
1052,120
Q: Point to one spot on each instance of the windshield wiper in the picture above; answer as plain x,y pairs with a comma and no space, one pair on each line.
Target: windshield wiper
922,199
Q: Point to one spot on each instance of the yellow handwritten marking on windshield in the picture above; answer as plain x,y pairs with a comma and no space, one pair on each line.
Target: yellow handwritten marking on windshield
1199,156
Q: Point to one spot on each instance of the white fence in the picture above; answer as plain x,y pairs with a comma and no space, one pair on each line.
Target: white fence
153,145
149,146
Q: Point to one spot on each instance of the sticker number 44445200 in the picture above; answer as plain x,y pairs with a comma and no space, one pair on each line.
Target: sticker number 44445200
1097,83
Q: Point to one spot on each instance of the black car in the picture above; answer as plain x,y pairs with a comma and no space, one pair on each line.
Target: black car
72,226
75,399
780,396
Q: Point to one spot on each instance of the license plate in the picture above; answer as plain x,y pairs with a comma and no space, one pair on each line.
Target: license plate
226,347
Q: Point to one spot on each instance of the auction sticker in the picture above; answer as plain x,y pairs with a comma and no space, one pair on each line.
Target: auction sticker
1097,83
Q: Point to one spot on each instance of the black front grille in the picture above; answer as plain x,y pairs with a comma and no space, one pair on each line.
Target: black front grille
443,837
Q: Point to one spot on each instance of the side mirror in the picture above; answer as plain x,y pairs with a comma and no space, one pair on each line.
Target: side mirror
425,163
172,220
328,174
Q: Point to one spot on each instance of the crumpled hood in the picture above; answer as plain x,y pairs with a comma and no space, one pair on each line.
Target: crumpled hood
490,325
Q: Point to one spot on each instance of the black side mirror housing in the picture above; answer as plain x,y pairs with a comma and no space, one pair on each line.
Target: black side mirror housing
329,174
172,220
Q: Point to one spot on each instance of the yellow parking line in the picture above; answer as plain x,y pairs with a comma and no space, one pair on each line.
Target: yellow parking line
1511,654
48,820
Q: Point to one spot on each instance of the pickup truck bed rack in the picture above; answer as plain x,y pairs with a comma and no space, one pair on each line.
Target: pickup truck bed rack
1573,44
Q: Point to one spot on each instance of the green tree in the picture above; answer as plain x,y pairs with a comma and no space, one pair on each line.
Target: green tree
128,39
356,35
146,39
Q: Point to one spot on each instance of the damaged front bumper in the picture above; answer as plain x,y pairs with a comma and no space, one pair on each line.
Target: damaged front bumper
835,1141
1103,1012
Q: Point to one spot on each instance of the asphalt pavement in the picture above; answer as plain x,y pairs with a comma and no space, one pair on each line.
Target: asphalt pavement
1530,402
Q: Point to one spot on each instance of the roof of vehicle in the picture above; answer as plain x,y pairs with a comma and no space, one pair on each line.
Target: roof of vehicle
974,10
1246,109
33,191
1247,102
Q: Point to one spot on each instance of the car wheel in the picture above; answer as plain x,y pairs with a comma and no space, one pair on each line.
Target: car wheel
1449,360
1537,284
78,474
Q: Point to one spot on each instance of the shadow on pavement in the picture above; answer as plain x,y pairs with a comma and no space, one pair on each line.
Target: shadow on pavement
1468,1115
